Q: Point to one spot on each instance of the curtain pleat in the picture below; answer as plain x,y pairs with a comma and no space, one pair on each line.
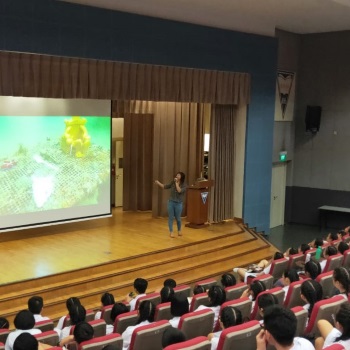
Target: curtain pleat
33,75
221,162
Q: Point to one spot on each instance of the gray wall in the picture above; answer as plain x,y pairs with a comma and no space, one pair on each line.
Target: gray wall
322,161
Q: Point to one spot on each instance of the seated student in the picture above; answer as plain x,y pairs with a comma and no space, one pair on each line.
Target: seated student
341,281
172,336
26,341
310,292
146,313
83,331
264,265
280,326
169,282
140,286
35,306
106,299
70,303
332,236
196,290
303,248
229,317
329,251
217,296
228,280
288,277
290,251
340,334
24,323
264,301
4,323
166,294
312,269
178,306
117,309
77,314
253,291
342,247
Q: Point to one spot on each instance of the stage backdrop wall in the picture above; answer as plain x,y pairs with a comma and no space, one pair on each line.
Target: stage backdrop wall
59,28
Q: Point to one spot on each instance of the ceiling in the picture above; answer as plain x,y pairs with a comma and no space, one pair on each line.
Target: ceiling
251,16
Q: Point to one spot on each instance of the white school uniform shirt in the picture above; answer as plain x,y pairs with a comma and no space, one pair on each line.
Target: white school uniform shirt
98,315
175,322
13,335
39,318
301,344
323,264
330,339
60,322
132,302
215,340
215,309
128,333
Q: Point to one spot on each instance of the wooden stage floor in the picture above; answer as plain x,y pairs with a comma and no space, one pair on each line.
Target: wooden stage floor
38,252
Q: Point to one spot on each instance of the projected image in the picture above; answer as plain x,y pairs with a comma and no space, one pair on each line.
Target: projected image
53,162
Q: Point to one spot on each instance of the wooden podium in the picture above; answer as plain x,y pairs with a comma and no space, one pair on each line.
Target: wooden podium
198,203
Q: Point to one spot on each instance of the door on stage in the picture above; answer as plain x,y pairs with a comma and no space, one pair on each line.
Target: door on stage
278,194
119,174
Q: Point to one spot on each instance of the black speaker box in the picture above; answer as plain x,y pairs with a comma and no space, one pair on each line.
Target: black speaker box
313,119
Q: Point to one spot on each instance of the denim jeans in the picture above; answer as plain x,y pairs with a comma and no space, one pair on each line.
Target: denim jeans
174,210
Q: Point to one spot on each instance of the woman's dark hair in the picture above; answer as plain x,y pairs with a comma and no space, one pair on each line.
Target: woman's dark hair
312,292
146,311
293,251
169,282
256,288
333,236
4,323
228,280
77,314
172,336
278,255
331,250
304,248
318,242
107,299
313,268
292,274
25,341
230,316
179,305
198,290
166,294
267,299
182,180
342,275
117,309
24,320
72,302
342,247
343,317
217,295
83,331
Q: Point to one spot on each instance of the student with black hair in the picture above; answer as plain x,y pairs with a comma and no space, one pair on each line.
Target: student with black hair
106,299
229,317
35,306
342,247
77,314
4,323
24,323
146,313
228,280
312,269
178,306
254,289
329,251
264,301
310,292
288,277
70,303
117,309
166,294
169,282
196,290
172,336
140,287
217,296
341,281
280,326
340,334
83,331
332,236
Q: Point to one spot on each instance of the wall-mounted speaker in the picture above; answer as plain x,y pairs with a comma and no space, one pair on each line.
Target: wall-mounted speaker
313,119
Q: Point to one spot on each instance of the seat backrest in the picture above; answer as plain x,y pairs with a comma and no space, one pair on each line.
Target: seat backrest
278,267
293,297
197,323
198,343
277,291
123,321
302,315
323,310
239,337
207,283
154,297
48,337
199,299
4,334
46,325
99,327
184,288
2,346
336,242
266,278
244,305
326,281
334,347
98,343
149,337
106,314
294,259
346,259
163,312
235,292
333,262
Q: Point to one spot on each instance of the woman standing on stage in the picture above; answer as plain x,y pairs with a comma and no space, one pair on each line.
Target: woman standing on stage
177,192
